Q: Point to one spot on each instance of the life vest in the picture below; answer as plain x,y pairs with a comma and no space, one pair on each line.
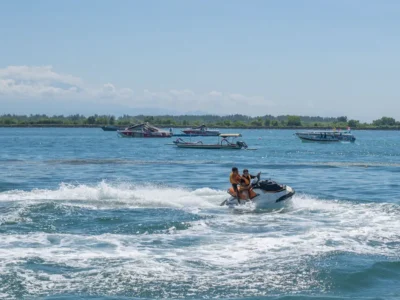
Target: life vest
247,179
246,182
234,178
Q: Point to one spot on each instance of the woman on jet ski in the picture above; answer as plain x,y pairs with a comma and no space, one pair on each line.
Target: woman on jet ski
245,183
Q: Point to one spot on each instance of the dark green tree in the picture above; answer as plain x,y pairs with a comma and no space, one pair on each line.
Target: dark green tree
91,120
353,123
293,121
227,123
384,121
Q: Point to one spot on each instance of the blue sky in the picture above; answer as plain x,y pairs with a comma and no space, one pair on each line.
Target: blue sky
326,58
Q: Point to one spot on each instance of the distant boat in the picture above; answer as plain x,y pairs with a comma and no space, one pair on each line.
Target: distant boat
327,136
224,143
144,130
201,131
110,128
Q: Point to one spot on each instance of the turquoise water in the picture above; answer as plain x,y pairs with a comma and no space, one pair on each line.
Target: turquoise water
84,213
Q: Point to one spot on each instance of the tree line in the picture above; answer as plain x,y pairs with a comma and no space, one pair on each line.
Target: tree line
195,120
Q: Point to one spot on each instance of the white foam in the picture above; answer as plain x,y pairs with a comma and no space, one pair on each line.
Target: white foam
13,216
105,194
258,251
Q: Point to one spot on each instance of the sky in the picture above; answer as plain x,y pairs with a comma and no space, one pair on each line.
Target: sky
306,57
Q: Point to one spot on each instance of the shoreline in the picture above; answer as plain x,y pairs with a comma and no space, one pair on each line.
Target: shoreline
180,126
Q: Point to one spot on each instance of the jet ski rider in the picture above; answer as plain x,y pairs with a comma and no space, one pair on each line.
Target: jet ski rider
235,179
245,183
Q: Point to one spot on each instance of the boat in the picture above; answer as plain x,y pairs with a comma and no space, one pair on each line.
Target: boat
144,130
110,128
268,194
201,130
225,141
326,136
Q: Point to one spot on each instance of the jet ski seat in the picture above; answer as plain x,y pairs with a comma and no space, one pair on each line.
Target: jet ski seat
269,186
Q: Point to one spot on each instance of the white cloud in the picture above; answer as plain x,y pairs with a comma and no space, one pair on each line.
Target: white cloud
38,74
109,88
182,92
211,102
237,97
21,89
215,93
32,84
109,91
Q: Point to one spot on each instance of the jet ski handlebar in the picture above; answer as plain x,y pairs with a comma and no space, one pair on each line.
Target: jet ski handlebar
258,179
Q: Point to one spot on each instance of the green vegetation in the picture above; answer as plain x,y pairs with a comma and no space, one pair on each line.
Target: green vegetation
283,121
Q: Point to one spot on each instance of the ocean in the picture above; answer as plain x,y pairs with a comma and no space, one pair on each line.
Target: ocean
87,215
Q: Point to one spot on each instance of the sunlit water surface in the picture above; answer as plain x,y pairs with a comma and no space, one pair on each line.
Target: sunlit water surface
84,213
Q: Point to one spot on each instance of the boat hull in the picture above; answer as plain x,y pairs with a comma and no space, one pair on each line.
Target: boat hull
310,139
321,137
201,133
210,146
224,144
110,128
133,134
188,135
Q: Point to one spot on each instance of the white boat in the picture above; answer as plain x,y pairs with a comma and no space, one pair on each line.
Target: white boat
225,141
201,130
327,136
268,194
144,130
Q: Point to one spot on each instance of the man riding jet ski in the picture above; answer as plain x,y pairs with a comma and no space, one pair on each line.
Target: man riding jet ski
264,193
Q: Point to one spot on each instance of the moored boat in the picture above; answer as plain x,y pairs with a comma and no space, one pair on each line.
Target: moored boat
225,141
201,130
144,130
327,136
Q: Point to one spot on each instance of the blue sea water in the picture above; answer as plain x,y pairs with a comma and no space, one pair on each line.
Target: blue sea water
87,215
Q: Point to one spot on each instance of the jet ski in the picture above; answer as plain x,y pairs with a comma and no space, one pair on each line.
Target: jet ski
266,194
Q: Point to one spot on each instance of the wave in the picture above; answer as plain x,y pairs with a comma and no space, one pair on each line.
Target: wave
116,161
126,162
109,194
324,165
388,271
263,253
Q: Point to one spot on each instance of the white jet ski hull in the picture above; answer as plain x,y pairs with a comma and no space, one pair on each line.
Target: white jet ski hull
265,199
